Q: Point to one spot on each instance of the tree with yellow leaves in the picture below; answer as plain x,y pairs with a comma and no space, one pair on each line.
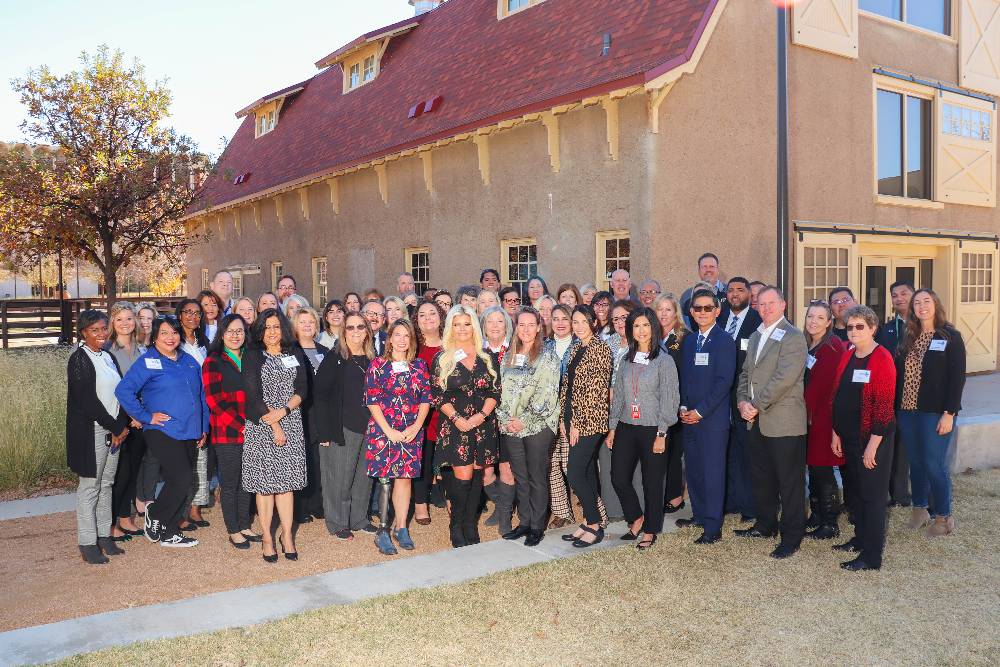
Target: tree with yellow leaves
112,183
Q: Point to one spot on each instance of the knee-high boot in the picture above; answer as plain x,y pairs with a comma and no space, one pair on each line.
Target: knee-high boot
458,493
505,507
828,511
470,523
492,492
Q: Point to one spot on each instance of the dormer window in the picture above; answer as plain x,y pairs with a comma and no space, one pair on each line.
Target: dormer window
507,7
362,66
267,118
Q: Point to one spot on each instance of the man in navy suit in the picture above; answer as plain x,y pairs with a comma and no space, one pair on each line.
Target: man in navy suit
708,366
739,325
889,336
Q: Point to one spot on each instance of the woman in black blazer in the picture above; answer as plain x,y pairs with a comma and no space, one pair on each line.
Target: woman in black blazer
309,501
96,426
930,378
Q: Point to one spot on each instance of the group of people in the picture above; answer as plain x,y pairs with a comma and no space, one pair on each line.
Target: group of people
633,400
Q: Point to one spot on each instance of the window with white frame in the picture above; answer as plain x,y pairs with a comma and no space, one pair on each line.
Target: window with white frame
933,15
507,7
903,144
204,279
369,69
355,75
823,268
614,250
519,257
277,270
418,263
977,277
319,281
237,284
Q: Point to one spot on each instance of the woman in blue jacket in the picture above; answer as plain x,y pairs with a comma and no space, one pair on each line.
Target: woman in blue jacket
163,391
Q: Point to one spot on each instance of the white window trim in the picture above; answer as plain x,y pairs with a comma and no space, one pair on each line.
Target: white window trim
503,12
948,39
408,254
316,285
504,251
600,254
276,274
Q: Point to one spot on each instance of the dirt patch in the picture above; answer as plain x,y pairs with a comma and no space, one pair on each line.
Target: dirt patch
45,579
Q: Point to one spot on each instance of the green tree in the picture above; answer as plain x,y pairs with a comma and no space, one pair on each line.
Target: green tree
112,182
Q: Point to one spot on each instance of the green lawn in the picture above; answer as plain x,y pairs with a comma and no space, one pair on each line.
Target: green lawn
934,603
32,417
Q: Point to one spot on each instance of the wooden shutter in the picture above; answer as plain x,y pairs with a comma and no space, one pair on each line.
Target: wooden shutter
976,305
979,45
965,162
827,25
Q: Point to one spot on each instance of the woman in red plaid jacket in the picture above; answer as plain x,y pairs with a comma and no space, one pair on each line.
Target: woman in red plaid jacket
864,425
224,392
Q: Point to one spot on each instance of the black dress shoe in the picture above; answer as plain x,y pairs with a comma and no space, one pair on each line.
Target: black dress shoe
824,532
784,551
753,531
747,519
201,523
517,533
684,523
245,544
708,539
252,537
305,518
857,565
534,537
850,546
670,508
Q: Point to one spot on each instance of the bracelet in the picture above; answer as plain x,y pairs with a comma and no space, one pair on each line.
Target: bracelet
453,417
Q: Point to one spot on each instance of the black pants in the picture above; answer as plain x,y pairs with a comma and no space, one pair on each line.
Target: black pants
634,444
821,476
309,501
422,485
582,473
234,500
176,459
867,497
129,462
674,487
777,468
529,461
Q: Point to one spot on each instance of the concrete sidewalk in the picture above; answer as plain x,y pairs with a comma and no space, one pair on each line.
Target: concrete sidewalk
18,509
260,604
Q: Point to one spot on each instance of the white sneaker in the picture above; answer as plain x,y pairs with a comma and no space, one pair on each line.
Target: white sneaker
152,527
178,540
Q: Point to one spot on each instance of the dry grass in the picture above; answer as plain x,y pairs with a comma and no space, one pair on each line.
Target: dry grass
32,417
934,603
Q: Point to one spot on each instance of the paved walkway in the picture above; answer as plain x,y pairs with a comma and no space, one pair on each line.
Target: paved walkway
269,602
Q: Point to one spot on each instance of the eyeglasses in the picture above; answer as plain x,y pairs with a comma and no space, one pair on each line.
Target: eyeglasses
702,309
856,327
620,318
190,312
513,300
354,327
236,332
841,301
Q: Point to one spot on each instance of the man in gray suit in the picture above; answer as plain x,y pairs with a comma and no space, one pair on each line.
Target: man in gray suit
770,400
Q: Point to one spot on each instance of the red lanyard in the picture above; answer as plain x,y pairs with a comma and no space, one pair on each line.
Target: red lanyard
636,379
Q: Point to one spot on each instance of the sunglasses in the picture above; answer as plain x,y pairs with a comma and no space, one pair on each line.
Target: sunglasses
818,302
354,327
514,300
856,327
702,309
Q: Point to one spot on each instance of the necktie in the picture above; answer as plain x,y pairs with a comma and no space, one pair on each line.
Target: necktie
731,329
700,342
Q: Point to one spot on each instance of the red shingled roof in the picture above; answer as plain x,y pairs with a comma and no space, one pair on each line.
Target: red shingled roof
486,71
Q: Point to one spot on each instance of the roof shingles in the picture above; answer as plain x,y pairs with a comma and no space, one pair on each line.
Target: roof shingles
484,69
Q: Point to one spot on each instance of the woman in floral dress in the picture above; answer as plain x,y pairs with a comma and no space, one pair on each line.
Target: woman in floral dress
398,394
465,386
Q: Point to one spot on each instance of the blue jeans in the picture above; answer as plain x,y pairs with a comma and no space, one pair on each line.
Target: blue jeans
928,455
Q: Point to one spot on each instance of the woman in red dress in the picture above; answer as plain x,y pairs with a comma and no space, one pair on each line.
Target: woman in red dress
430,328
825,351
398,394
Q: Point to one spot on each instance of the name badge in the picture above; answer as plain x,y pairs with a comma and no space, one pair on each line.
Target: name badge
862,376
810,361
641,358
400,367
744,344
938,345
289,362
701,359
778,334
459,355
636,411
520,360
154,364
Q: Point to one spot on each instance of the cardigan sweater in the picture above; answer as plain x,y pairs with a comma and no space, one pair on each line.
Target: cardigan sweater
942,375
83,409
878,396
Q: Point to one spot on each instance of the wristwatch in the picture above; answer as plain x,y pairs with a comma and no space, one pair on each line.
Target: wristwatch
661,434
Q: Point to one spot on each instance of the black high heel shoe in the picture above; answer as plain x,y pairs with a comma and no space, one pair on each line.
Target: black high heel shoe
272,558
646,544
289,555
571,537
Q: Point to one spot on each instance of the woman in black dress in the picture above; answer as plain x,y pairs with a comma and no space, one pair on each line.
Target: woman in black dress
668,312
465,387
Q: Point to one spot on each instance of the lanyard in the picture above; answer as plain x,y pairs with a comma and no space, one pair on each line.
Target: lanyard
635,379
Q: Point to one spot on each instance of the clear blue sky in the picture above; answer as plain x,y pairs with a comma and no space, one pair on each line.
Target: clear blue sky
217,55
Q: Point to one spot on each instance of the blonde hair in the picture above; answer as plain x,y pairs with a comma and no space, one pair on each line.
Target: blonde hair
411,351
253,306
311,312
121,306
680,329
448,347
368,345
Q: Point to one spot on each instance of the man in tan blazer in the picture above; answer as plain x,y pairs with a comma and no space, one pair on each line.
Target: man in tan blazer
770,398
